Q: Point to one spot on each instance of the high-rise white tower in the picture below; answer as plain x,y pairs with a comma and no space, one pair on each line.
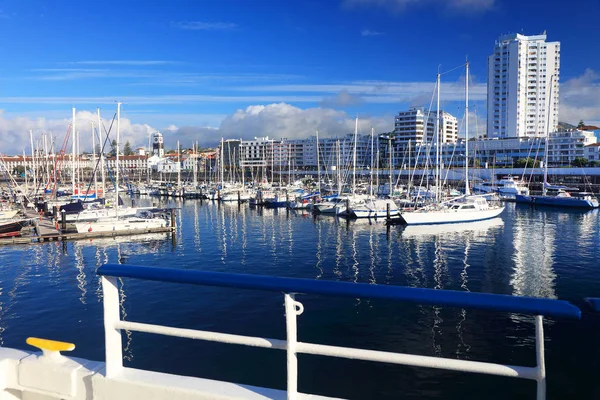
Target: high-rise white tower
522,86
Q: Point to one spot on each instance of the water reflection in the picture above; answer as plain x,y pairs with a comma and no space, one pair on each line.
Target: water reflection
436,250
534,246
81,278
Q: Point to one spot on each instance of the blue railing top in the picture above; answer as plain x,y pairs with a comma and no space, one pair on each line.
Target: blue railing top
483,301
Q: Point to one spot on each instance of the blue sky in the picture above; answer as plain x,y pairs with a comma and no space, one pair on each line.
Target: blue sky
193,65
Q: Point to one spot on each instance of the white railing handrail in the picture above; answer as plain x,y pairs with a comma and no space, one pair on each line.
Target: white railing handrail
114,358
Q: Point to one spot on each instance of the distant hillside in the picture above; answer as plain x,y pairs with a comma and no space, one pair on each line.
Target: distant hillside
564,126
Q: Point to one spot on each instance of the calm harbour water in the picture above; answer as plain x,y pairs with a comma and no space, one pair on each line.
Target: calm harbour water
51,290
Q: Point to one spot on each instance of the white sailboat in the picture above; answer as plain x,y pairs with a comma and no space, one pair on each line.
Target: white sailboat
467,208
115,223
373,207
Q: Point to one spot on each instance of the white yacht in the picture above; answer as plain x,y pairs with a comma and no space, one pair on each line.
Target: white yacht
508,186
462,209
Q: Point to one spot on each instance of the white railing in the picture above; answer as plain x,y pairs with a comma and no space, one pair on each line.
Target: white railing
293,308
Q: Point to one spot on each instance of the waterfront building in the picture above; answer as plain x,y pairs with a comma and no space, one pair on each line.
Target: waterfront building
257,152
592,152
332,149
417,125
128,163
564,147
522,87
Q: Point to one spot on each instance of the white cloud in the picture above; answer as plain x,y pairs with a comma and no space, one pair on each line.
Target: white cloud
461,6
14,132
368,32
580,99
284,120
277,120
205,26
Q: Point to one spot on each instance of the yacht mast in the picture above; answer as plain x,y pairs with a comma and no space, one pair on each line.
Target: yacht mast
547,138
94,160
391,164
25,175
318,167
46,157
73,148
354,158
438,171
103,175
409,183
117,157
33,162
221,164
467,191
339,171
371,169
195,165
178,167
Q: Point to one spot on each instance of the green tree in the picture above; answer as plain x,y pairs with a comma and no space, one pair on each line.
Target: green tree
127,149
113,151
527,163
581,124
580,162
19,170
594,164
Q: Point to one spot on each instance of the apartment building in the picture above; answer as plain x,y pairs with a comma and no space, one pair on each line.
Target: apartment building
522,87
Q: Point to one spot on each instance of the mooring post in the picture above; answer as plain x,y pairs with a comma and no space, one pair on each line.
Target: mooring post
387,211
173,219
63,219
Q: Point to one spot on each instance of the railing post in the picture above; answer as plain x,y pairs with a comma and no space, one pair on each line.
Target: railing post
292,309
112,335
539,352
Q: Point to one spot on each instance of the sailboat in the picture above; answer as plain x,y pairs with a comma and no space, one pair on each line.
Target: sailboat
115,223
374,207
467,208
554,195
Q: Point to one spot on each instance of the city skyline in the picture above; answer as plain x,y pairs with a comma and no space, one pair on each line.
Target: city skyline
203,70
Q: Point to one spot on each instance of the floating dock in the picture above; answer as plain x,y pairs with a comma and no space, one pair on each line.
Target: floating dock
48,231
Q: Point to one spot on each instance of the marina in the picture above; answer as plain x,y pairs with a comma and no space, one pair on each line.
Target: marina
271,200
528,252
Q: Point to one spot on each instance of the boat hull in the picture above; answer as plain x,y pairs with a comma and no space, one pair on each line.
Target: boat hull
12,228
555,201
324,208
120,225
368,213
448,216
